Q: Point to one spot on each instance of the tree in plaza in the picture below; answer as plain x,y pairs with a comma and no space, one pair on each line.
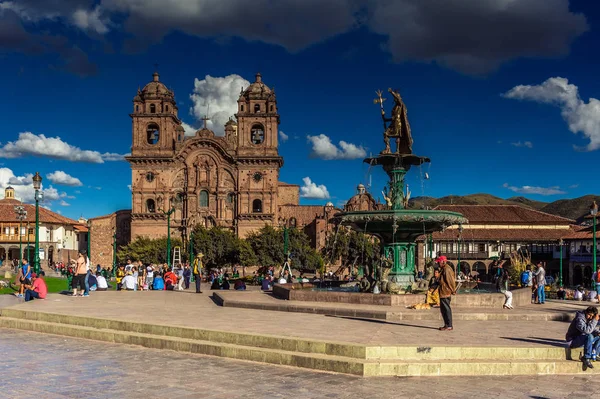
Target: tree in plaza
353,249
148,250
267,244
245,254
219,246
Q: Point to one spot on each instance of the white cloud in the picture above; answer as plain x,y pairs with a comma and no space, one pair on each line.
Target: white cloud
581,117
283,137
77,192
574,186
323,148
554,190
527,144
25,192
29,144
62,178
64,203
129,187
189,129
65,195
91,20
311,190
216,97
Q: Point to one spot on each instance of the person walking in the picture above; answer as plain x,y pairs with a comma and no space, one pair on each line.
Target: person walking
504,286
540,275
447,288
80,273
198,272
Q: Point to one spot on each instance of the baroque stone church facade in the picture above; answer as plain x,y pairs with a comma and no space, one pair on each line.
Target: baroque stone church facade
230,181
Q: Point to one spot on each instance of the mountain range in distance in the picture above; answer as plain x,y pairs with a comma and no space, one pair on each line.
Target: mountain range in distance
576,208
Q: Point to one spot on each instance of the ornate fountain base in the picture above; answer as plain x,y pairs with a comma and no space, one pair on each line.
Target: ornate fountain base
402,255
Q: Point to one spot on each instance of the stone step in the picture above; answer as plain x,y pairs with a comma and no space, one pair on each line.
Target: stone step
226,337
391,313
314,361
294,344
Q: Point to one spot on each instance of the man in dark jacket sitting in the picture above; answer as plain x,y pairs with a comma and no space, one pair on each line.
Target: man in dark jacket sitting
582,332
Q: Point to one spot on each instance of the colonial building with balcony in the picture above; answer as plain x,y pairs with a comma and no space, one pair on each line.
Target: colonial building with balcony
496,231
580,249
58,235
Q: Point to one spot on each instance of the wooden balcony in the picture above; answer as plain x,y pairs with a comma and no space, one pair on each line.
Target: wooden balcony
14,238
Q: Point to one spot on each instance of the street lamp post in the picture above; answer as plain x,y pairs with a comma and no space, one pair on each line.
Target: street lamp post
460,230
28,246
560,272
37,185
21,215
89,239
594,212
114,267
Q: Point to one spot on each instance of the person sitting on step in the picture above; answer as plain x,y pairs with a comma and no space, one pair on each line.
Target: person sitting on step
582,333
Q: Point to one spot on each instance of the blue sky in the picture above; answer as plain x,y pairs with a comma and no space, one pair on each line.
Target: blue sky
501,95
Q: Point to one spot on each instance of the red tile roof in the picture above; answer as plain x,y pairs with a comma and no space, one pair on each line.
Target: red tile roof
503,214
8,214
503,234
81,228
583,233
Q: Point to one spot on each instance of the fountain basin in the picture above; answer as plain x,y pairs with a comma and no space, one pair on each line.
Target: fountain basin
410,223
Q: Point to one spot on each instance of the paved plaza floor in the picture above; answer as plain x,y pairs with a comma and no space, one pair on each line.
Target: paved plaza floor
57,367
199,311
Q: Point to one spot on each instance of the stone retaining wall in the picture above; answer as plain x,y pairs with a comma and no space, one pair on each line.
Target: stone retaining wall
303,292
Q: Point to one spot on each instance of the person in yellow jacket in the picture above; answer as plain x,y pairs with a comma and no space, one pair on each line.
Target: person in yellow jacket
198,271
119,274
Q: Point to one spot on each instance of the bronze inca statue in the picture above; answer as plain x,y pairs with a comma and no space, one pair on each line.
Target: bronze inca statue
398,128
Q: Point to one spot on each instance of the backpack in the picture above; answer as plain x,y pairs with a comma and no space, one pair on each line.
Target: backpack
525,277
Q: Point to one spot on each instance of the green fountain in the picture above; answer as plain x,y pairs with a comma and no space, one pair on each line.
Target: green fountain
396,226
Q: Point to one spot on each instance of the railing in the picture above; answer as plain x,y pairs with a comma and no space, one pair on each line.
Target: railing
470,255
15,238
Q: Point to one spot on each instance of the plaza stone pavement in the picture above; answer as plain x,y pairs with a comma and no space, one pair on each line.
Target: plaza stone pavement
186,309
75,368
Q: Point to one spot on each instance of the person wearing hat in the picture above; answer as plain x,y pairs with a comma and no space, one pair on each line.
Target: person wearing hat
447,288
198,272
37,289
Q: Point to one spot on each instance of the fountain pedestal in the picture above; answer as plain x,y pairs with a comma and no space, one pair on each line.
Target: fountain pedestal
402,255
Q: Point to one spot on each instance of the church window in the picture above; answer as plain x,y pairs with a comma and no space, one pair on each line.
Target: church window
152,133
271,108
257,206
150,206
256,108
257,177
152,108
166,108
257,134
230,198
242,107
150,177
203,199
137,108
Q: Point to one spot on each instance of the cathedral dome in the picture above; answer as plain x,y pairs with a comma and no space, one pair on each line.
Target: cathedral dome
362,201
156,88
258,90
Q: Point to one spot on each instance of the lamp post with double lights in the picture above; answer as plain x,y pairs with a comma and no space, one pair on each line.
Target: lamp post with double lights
89,239
460,230
176,202
114,263
37,185
21,215
594,212
560,273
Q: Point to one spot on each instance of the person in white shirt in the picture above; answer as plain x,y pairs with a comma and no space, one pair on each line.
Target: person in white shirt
128,282
102,285
180,278
128,266
149,276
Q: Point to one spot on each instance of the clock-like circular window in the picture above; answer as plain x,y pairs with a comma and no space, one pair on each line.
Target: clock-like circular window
257,177
150,177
